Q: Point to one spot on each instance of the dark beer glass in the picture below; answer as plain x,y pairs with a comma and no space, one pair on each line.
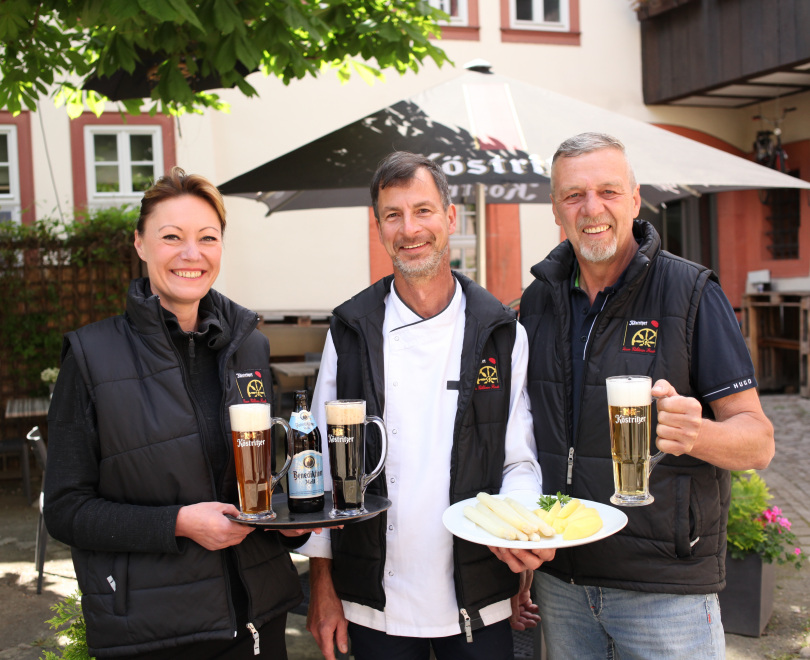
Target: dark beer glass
252,452
345,433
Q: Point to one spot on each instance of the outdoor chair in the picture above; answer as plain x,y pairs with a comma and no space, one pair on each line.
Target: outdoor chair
20,447
41,453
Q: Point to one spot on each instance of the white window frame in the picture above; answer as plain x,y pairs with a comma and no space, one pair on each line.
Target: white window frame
462,20
10,202
464,241
122,133
564,24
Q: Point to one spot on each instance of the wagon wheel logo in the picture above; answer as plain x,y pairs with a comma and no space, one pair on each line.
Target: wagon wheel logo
646,338
255,389
487,375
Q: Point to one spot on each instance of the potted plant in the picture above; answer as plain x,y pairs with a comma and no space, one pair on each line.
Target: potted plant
49,376
758,536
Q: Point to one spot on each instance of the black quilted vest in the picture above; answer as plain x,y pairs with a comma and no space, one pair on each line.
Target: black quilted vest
678,543
478,443
152,455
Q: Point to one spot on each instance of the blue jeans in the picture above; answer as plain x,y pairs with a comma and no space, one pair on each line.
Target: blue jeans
580,623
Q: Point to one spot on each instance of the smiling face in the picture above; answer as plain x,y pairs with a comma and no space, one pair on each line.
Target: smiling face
181,244
414,227
595,201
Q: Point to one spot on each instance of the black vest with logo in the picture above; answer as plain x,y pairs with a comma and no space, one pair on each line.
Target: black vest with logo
678,543
152,454
477,456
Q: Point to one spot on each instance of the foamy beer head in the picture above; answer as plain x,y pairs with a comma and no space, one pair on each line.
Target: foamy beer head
247,417
629,391
345,412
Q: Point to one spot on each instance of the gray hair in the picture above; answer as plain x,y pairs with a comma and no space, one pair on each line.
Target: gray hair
586,143
400,167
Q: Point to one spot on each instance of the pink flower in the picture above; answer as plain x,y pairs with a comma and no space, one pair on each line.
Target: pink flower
769,515
784,522
776,511
797,551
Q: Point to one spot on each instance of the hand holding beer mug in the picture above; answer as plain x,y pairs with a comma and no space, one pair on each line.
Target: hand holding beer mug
629,408
345,433
252,452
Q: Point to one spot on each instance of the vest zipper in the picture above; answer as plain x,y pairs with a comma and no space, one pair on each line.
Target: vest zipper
570,466
233,347
467,625
255,634
585,355
461,598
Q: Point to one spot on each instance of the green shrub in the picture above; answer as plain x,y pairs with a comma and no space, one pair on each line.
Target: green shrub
70,623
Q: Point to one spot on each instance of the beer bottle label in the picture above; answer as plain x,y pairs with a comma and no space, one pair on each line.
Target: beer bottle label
303,422
305,478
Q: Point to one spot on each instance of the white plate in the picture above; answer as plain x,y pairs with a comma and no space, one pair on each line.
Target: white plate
454,520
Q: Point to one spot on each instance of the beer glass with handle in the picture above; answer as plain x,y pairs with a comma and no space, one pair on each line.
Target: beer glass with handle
629,408
251,425
346,422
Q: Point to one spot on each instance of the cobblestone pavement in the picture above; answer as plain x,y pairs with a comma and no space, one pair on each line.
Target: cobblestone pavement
23,634
788,475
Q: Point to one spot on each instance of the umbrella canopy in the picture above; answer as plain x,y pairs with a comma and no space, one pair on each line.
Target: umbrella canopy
122,85
485,128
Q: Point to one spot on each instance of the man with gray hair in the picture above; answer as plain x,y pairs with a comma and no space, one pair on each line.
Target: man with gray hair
649,591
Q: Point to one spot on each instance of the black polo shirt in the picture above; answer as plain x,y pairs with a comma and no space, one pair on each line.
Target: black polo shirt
721,364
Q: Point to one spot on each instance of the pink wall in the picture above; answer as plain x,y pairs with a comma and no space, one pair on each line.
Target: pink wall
741,223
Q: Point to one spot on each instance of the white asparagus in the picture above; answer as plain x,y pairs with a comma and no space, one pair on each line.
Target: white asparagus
486,523
540,525
489,513
506,513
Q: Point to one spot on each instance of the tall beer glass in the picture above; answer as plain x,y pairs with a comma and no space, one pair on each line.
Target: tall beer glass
629,408
252,452
345,432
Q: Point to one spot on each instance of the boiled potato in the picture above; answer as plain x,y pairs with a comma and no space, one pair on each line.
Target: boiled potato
583,527
569,508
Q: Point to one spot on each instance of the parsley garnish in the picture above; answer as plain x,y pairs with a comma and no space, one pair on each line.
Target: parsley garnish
547,501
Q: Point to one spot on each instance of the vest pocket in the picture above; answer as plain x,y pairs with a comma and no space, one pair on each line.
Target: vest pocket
687,517
118,583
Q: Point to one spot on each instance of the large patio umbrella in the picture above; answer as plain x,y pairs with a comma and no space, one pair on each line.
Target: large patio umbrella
122,85
489,129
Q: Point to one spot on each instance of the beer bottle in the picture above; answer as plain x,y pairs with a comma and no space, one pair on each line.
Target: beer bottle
305,477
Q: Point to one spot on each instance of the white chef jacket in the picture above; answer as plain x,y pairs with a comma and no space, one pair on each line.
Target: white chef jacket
421,356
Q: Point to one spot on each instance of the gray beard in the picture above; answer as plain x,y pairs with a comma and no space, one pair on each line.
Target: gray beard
424,269
599,253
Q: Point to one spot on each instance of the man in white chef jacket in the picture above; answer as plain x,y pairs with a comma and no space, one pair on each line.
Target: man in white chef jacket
444,364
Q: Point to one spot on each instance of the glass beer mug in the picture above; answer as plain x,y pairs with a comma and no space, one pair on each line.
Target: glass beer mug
252,452
630,408
346,421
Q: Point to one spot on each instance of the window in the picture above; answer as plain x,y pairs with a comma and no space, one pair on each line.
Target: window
121,161
464,243
540,21
783,215
115,157
539,15
9,179
456,9
463,23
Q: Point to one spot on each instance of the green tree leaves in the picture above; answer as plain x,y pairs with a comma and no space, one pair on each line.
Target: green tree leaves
54,46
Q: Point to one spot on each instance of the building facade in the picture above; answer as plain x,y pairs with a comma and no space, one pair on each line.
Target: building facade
641,63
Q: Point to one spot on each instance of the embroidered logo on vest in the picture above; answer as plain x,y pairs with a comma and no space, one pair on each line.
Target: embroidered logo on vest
488,375
251,386
640,336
